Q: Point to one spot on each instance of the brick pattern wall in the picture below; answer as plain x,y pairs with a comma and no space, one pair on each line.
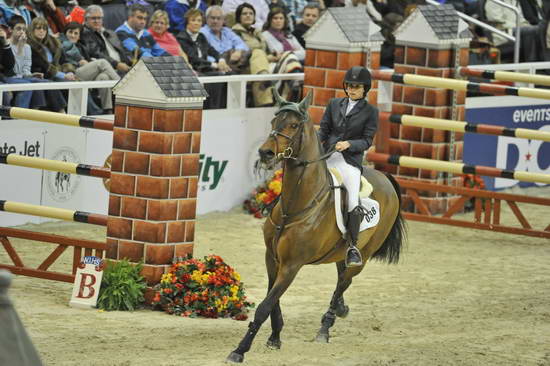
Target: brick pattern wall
429,102
324,74
152,204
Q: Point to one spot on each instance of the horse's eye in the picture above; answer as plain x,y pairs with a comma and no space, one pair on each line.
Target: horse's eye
294,125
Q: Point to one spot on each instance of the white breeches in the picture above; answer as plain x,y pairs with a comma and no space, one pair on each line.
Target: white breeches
351,177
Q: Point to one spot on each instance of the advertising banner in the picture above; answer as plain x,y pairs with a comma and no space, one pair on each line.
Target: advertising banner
18,183
63,190
506,152
229,150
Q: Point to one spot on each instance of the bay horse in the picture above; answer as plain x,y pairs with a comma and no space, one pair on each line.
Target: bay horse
302,229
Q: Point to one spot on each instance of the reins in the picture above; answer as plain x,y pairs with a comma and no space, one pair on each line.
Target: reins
286,155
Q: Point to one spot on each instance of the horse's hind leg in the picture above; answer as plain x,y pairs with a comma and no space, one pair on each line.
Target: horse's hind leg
337,307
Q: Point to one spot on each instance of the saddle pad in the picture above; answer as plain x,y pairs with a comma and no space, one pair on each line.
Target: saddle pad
366,187
370,205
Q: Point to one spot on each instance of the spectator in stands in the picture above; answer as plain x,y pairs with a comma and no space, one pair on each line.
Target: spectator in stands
136,40
203,57
85,68
7,61
283,63
289,53
9,8
505,19
261,8
259,59
102,43
159,30
21,72
176,10
278,36
47,60
49,11
310,14
229,45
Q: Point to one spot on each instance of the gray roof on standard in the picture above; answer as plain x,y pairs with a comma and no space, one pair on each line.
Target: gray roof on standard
355,24
174,77
443,19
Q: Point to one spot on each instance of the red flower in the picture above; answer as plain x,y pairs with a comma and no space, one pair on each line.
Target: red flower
241,316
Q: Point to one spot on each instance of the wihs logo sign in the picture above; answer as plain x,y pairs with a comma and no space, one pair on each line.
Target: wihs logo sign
211,171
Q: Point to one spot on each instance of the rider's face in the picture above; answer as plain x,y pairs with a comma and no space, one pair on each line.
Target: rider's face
355,91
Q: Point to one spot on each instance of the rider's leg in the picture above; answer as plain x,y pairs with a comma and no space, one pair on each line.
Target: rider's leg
352,181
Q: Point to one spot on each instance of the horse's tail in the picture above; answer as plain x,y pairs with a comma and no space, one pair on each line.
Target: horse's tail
390,249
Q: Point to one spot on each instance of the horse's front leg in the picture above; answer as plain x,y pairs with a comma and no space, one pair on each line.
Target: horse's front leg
274,341
285,276
337,307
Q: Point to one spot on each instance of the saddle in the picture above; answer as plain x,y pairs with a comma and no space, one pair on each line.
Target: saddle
370,206
366,188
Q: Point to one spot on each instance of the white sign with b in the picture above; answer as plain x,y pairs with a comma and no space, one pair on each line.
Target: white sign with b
87,282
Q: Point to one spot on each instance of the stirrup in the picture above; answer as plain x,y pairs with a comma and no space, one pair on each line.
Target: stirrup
356,262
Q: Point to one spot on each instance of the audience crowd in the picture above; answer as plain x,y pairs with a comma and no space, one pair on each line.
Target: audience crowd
67,40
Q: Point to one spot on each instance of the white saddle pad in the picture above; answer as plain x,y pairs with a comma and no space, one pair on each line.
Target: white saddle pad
372,207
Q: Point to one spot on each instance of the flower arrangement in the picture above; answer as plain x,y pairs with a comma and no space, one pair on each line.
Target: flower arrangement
265,196
202,287
473,181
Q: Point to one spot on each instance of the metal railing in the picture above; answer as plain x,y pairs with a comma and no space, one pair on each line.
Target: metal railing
78,90
492,29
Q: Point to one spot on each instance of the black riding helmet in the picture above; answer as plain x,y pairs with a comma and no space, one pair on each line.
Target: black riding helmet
358,75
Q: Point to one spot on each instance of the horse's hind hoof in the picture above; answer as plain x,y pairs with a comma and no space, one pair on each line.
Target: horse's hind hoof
274,344
342,311
322,337
234,358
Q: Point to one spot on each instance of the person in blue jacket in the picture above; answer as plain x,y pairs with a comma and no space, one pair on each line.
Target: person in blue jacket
135,39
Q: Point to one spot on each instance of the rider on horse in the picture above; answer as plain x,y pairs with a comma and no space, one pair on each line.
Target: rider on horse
348,126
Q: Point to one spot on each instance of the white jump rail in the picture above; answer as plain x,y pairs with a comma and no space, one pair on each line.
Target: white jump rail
524,67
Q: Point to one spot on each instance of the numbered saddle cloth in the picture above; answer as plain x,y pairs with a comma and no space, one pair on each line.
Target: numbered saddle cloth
372,208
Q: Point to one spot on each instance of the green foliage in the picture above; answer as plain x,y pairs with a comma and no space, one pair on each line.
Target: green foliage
122,287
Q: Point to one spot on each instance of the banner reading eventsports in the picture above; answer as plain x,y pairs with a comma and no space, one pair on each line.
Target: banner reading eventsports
506,152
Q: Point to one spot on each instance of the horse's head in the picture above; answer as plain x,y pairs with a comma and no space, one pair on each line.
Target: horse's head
287,130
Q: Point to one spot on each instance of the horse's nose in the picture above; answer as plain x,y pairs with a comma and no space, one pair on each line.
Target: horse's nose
266,154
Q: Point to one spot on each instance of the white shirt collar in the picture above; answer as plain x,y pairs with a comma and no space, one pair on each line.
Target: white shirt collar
351,104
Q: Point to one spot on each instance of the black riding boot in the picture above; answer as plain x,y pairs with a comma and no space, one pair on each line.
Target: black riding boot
353,256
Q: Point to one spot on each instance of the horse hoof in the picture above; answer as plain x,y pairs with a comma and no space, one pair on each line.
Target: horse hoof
321,338
273,344
235,358
342,311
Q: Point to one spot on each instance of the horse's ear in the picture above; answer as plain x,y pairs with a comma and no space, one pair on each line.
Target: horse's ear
278,99
304,104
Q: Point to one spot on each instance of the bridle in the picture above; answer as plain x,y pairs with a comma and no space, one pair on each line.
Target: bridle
287,154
